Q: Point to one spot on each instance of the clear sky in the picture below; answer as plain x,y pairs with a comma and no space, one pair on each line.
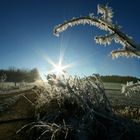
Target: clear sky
26,36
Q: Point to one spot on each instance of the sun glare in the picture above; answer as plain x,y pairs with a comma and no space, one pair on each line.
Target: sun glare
58,68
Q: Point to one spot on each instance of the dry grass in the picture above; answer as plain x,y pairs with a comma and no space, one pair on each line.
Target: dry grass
76,109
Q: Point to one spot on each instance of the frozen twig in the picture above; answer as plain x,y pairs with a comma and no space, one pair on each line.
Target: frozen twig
130,48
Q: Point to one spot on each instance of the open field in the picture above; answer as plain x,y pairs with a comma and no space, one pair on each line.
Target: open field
10,86
113,91
113,86
127,107
117,98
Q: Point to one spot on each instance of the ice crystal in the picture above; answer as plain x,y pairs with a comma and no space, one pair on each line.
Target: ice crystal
107,13
84,20
122,52
91,15
104,40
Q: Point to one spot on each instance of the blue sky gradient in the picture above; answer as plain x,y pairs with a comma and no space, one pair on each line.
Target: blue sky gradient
26,36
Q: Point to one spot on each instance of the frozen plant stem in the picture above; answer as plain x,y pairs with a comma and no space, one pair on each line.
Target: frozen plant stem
104,22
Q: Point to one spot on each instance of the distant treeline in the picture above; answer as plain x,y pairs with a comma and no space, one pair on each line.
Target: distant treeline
19,75
118,79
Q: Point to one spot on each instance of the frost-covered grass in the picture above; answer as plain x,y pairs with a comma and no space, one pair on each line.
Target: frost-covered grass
75,109
131,89
126,100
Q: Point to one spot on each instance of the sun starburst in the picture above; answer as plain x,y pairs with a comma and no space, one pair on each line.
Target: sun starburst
58,68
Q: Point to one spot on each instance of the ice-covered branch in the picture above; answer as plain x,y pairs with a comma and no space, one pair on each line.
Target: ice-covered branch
93,21
124,52
130,48
104,40
107,13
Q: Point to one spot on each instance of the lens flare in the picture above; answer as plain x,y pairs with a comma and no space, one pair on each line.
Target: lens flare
58,68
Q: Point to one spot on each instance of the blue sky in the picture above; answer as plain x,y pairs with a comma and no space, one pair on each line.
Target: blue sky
26,36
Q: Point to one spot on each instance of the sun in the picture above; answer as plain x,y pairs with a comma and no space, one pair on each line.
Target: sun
58,68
